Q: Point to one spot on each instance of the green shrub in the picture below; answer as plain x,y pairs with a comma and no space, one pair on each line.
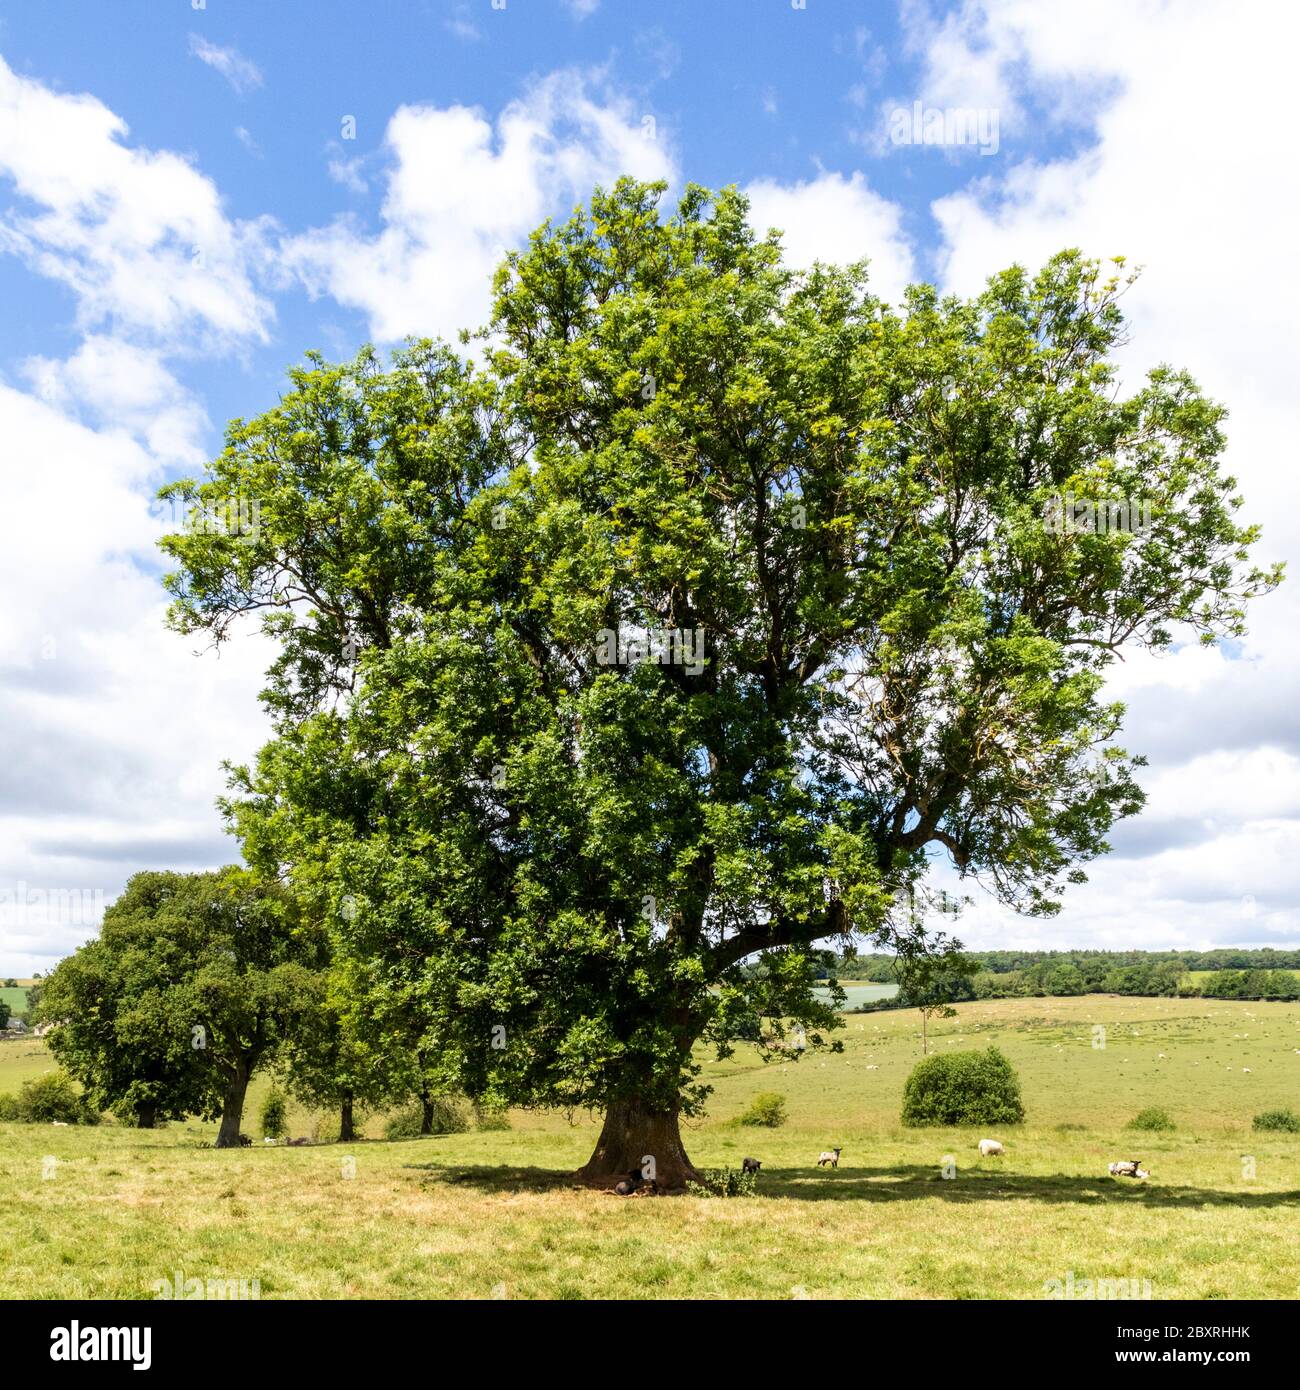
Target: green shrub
274,1123
407,1123
766,1109
491,1117
9,1108
963,1088
1286,1120
1152,1118
724,1182
55,1096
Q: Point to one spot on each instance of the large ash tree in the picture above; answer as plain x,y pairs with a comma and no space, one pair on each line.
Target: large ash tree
566,866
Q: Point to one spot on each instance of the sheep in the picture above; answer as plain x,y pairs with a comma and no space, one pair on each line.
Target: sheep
625,1187
750,1165
1129,1168
990,1148
831,1156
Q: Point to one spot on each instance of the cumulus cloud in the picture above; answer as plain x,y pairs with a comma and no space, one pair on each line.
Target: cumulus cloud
113,733
462,189
838,219
138,236
1170,180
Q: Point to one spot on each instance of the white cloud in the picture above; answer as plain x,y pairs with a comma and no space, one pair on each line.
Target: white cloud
113,732
582,9
1190,109
833,218
138,236
242,73
121,387
461,191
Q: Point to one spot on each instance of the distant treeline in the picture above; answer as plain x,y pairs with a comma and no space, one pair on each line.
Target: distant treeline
1261,974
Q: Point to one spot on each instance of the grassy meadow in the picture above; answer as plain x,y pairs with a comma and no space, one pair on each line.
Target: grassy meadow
493,1214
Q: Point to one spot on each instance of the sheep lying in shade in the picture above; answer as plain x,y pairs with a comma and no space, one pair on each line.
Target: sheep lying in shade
990,1148
831,1156
636,1184
1129,1168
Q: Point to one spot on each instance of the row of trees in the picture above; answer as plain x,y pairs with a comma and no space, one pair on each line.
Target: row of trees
1094,965
960,978
543,857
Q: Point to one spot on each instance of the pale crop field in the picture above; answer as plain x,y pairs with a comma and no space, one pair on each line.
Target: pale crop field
108,1211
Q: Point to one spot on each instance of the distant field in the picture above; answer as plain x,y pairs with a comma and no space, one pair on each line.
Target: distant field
485,1215
861,992
15,998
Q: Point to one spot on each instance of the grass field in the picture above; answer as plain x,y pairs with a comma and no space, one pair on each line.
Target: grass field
16,998
483,1215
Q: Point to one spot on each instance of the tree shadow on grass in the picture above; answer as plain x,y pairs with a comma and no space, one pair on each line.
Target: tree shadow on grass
908,1182
485,1178
900,1183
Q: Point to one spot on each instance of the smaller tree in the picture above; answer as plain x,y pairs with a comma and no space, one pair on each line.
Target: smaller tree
932,984
333,1061
274,1125
196,980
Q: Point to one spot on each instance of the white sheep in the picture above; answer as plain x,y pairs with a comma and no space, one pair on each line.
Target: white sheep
990,1148
1129,1168
831,1156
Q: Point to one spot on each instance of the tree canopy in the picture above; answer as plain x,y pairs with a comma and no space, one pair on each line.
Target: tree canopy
680,632
194,981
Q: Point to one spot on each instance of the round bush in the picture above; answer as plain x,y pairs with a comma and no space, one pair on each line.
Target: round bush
766,1109
55,1096
1286,1120
963,1088
1152,1118
447,1118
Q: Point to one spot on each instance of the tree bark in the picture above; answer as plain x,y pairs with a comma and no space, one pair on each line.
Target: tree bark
146,1116
232,1107
632,1136
347,1129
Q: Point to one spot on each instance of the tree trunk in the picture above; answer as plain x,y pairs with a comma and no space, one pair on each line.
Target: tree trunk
232,1107
633,1136
146,1116
426,1116
347,1129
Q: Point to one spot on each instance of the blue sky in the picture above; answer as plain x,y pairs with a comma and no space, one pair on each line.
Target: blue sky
182,215
740,90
